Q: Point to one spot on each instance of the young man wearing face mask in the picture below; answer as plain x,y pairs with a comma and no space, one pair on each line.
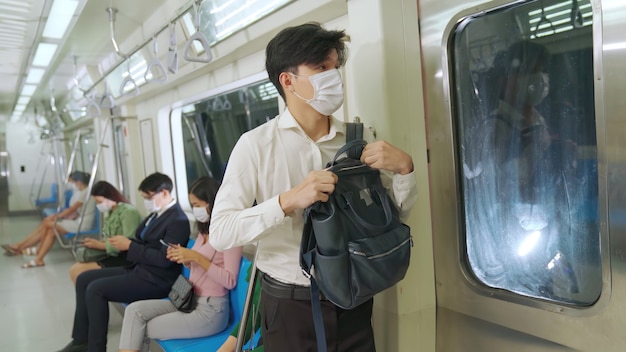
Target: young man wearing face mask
280,165
150,276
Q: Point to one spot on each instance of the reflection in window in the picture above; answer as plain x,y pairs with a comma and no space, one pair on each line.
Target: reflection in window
212,127
526,137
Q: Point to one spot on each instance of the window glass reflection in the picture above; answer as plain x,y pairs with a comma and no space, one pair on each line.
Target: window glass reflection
527,145
212,127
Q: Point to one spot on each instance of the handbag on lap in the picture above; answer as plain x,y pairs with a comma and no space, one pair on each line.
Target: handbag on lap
89,255
182,295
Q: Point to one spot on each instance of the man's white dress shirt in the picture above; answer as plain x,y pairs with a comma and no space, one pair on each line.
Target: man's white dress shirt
269,160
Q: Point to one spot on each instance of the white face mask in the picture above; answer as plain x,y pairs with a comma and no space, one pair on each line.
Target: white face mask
72,186
151,205
327,91
201,214
104,206
536,87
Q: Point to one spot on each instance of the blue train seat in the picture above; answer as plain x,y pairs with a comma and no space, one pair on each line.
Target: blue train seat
50,200
213,342
67,197
95,230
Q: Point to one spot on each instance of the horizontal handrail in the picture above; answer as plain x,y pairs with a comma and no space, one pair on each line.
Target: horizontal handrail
139,47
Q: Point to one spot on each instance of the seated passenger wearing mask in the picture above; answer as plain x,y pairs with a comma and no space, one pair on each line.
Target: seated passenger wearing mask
151,275
65,221
120,218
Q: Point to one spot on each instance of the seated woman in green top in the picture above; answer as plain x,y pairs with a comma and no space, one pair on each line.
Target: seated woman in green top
122,219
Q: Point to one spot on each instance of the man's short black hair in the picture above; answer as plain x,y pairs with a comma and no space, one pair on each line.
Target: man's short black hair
306,44
156,183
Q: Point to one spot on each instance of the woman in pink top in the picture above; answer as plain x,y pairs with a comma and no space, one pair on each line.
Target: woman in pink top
213,274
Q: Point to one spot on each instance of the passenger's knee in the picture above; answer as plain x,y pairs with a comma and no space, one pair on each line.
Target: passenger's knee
75,271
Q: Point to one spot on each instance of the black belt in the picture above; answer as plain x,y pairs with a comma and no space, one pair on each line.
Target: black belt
281,290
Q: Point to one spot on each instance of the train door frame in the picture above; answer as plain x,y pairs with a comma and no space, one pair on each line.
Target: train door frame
531,317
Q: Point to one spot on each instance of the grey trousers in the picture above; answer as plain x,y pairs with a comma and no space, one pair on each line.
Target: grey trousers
159,319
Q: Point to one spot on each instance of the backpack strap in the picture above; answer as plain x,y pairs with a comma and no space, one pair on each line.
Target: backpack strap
307,259
353,149
318,321
354,131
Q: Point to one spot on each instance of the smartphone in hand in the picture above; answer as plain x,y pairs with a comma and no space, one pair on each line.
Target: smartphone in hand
165,243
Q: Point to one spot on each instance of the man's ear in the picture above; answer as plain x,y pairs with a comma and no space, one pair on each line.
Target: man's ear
285,81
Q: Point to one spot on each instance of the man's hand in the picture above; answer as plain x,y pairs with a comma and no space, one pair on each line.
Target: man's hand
384,156
316,186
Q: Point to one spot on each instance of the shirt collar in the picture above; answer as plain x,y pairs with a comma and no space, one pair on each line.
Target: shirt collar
287,121
162,210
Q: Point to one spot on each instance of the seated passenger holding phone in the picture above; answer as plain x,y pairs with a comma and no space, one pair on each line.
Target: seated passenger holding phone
121,218
213,274
150,276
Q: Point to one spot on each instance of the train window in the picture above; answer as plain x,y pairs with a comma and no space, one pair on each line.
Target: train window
525,129
136,66
211,127
219,19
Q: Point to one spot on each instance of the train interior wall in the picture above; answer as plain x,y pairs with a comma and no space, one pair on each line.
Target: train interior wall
383,87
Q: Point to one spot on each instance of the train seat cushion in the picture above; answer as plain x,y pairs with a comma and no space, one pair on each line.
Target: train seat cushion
213,342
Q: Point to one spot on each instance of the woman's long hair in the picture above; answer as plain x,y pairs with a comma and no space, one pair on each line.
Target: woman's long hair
205,189
108,191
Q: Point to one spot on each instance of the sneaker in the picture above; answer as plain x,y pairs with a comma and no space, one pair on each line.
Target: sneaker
75,346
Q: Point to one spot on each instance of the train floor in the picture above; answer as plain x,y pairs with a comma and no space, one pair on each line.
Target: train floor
37,304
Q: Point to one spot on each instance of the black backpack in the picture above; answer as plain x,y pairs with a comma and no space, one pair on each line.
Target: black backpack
354,245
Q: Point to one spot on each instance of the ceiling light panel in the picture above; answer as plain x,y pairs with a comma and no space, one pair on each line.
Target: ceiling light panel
28,90
34,75
61,14
44,54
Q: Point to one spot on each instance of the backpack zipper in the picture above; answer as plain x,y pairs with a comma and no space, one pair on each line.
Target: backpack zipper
363,254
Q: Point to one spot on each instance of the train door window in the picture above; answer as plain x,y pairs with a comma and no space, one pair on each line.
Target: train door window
220,19
525,132
212,126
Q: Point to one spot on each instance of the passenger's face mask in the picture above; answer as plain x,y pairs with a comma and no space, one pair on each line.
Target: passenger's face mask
151,204
72,186
536,87
201,214
104,206
327,91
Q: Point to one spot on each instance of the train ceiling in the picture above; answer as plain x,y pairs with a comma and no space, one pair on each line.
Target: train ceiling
87,42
